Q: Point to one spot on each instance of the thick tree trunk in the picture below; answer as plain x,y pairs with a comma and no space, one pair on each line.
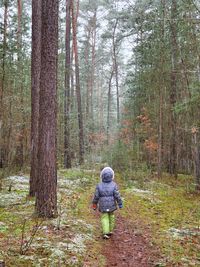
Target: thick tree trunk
46,197
173,93
78,91
35,88
67,150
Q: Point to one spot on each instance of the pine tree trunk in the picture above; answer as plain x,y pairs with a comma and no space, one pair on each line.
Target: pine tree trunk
161,92
46,197
116,68
109,106
67,150
20,147
87,52
196,155
94,21
173,92
35,86
78,91
2,142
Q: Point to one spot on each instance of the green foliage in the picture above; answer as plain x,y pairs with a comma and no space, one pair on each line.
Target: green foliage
117,157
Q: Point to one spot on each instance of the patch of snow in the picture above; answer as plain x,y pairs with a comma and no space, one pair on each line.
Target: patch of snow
146,194
10,198
16,182
57,253
180,233
140,191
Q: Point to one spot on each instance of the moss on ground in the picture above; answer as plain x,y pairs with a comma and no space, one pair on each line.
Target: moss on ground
69,240
170,208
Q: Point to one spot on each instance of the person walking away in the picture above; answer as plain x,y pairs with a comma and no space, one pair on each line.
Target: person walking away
107,198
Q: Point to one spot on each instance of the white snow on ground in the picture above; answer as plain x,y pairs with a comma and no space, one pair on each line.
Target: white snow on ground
146,194
11,198
19,186
181,233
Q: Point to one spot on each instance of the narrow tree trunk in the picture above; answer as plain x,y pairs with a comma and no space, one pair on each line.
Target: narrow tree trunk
35,86
109,106
94,21
78,91
196,155
160,135
161,86
2,146
173,92
46,197
20,147
67,150
87,52
116,68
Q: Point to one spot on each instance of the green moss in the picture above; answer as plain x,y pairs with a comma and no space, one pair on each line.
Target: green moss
175,207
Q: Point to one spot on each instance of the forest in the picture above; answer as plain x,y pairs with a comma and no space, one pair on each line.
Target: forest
87,84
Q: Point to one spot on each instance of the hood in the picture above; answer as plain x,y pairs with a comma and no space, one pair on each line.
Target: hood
107,175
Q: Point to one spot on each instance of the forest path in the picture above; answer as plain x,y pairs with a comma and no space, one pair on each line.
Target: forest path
129,246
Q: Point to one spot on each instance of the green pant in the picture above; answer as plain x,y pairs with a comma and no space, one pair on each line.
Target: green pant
107,222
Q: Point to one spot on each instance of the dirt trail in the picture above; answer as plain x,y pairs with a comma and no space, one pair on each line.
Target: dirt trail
129,246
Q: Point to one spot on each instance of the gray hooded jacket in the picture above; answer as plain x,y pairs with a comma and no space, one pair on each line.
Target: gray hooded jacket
107,194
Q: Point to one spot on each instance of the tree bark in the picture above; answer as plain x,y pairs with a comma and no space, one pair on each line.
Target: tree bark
94,22
2,147
196,155
78,90
67,150
161,86
116,68
109,105
173,92
46,197
35,88
20,147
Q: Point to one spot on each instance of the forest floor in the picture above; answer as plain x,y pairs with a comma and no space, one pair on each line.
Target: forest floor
129,246
158,226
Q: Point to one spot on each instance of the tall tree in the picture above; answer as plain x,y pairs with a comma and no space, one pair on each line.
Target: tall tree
2,146
46,197
109,105
67,150
115,65
35,86
78,89
173,91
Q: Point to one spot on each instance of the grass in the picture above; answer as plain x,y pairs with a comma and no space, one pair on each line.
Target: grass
161,205
171,204
71,245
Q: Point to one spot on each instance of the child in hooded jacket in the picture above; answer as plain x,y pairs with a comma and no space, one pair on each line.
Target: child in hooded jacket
107,197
